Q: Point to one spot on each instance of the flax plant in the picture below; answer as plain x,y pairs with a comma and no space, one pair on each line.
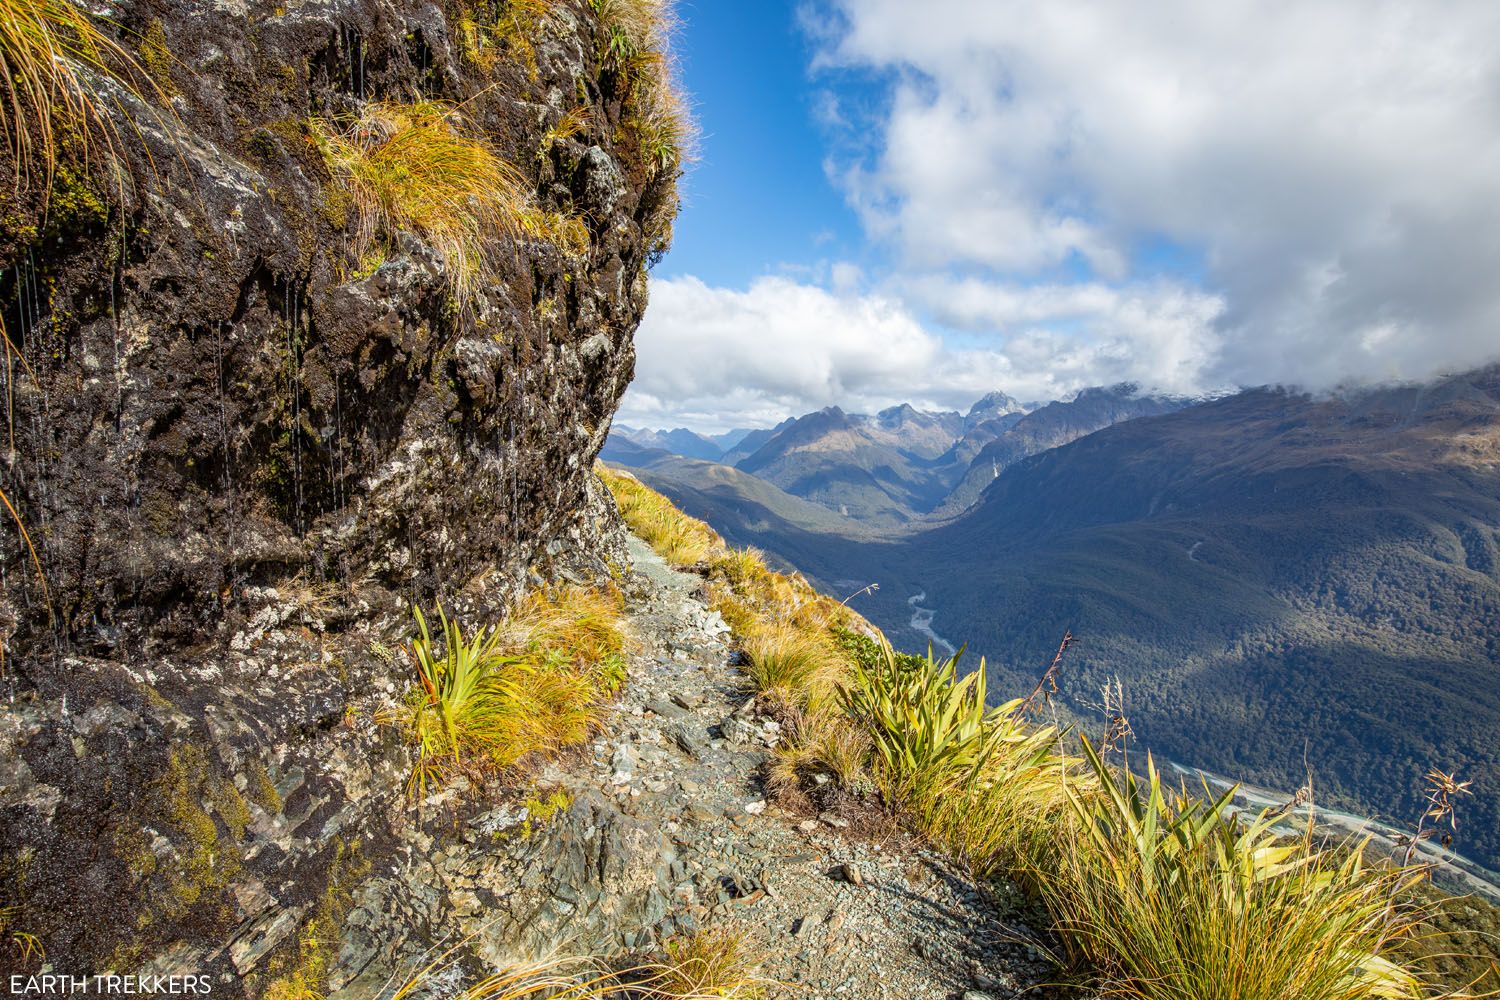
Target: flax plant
1173,897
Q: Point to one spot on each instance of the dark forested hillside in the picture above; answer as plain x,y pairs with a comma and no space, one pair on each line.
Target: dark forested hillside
1270,575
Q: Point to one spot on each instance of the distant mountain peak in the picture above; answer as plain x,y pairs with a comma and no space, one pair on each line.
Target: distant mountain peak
991,406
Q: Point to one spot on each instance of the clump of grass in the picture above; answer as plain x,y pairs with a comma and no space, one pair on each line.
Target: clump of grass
803,664
677,538
821,741
928,724
1167,896
636,44
708,965
513,31
740,567
533,685
419,168
553,979
583,625
50,53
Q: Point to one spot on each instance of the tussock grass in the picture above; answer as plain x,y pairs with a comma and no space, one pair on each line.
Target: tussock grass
708,965
483,42
802,663
417,168
637,45
584,625
677,538
52,53
554,979
821,741
533,685
741,567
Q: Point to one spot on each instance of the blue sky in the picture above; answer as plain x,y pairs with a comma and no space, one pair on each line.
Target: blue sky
757,198
925,202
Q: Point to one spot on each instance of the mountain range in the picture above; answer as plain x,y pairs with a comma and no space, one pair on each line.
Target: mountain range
1279,581
900,465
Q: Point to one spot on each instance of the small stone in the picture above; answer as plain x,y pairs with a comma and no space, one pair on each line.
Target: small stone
837,822
755,808
808,825
976,995
852,874
688,740
665,708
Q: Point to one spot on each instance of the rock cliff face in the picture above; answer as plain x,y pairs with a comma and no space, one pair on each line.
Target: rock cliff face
242,454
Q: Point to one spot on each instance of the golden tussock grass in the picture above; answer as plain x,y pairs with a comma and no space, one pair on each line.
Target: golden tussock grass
533,685
418,168
821,741
707,965
53,56
803,662
677,538
52,53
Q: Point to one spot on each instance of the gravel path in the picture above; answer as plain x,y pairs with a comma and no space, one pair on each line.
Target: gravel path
839,915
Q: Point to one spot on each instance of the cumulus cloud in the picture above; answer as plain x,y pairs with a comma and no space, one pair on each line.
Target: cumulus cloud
1335,165
711,358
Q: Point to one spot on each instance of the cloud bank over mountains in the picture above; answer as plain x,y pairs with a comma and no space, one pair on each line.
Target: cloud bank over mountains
1183,194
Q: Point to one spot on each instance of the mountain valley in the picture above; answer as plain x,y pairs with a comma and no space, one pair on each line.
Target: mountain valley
1278,581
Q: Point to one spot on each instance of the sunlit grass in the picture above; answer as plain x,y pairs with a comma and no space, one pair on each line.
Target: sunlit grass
637,46
821,741
708,965
52,54
799,662
420,168
487,699
583,624
1167,895
677,538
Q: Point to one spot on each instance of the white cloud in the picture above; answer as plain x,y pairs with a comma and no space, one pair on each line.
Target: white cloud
1336,164
712,358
